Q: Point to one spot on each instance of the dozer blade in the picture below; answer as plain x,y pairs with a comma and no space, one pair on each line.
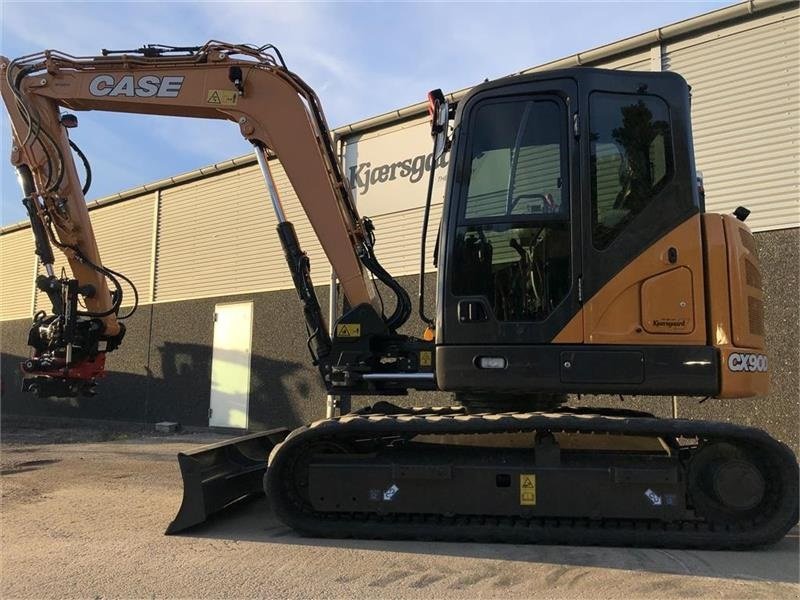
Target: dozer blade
222,474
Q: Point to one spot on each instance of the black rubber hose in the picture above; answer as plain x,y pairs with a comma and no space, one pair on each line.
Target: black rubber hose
133,288
102,270
425,217
403,308
88,183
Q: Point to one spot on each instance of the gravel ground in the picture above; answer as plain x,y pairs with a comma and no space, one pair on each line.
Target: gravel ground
83,513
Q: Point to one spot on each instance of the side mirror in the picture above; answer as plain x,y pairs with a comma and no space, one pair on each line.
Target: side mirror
439,112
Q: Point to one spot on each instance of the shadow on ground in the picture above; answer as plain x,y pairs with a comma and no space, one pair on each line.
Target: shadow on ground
255,522
28,465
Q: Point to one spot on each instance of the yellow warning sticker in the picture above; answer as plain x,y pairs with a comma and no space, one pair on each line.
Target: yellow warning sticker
351,330
527,490
222,97
425,358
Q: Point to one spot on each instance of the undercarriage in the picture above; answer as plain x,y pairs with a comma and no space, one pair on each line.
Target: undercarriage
568,477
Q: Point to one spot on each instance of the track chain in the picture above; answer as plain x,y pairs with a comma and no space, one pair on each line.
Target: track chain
780,510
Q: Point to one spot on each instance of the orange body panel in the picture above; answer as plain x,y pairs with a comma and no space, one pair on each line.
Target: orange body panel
667,305
717,295
653,300
734,279
747,298
710,296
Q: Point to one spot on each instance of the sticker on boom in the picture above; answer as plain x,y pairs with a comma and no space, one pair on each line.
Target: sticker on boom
146,86
222,97
527,489
750,363
348,330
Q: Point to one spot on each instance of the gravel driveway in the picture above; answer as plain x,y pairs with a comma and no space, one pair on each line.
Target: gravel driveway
83,515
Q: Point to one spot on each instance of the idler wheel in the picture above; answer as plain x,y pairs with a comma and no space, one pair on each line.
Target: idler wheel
738,484
727,483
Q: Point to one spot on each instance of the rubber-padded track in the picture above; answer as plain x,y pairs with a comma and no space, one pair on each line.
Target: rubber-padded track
781,512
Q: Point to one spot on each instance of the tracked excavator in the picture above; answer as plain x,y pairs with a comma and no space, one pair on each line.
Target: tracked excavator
574,256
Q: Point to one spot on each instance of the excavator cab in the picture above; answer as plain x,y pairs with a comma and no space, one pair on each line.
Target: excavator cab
573,255
559,182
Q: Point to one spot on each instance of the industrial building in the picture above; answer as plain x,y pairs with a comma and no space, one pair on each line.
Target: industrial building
202,251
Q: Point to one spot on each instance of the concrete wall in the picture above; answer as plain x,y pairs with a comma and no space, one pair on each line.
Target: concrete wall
163,369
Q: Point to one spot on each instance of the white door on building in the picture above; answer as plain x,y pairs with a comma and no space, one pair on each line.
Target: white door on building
230,365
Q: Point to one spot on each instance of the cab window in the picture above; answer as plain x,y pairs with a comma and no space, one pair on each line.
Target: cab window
631,159
516,162
513,240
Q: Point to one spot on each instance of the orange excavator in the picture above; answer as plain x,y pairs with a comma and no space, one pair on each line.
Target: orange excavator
574,256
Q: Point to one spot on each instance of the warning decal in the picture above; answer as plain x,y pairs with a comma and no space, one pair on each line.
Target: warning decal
425,358
527,490
351,330
222,97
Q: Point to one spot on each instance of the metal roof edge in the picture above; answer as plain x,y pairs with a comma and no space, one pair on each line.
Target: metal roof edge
629,44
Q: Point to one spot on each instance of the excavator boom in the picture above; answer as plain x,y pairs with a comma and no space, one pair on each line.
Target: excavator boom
275,110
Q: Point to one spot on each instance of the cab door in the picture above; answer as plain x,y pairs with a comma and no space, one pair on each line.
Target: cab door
511,247
642,279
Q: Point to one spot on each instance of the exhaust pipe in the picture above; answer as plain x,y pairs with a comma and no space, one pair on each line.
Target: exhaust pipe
220,475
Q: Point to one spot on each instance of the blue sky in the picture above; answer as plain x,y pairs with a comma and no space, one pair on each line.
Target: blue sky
363,59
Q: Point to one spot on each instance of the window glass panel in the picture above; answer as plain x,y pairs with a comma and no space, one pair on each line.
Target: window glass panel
518,255
523,272
631,159
515,162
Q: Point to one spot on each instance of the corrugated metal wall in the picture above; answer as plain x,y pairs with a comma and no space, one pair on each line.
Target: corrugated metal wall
398,232
398,239
216,236
17,264
124,234
639,61
745,82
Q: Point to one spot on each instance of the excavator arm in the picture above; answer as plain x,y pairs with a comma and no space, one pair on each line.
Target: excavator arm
275,110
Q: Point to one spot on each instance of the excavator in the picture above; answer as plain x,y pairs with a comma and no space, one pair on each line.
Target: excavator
574,256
